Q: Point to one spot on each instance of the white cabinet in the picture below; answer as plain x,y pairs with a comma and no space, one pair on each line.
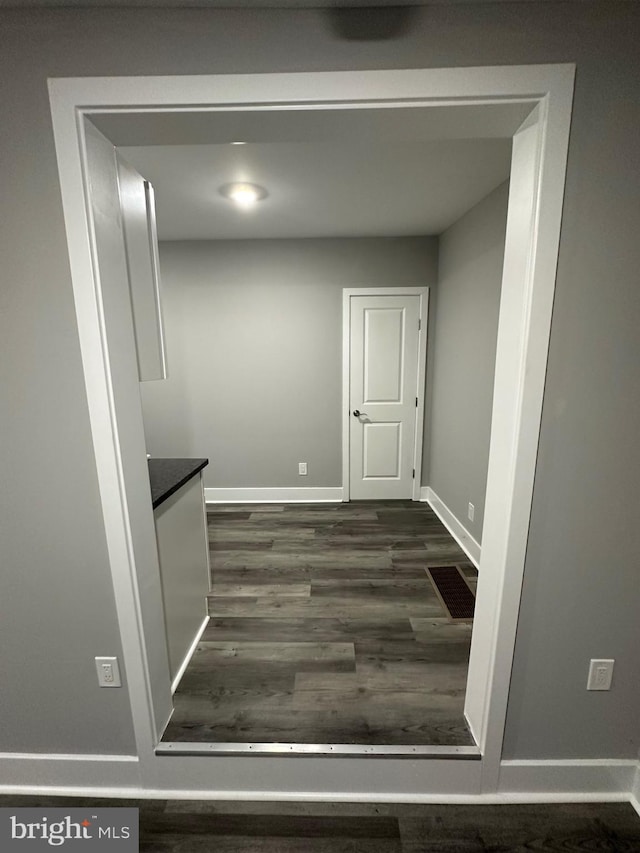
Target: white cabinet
183,552
141,243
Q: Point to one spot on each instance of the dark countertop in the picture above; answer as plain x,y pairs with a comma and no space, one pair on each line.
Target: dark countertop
168,475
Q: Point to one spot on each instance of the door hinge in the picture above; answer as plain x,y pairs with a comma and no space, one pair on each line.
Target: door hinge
419,324
416,402
413,476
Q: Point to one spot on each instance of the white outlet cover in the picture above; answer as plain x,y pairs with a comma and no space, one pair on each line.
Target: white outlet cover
108,672
600,674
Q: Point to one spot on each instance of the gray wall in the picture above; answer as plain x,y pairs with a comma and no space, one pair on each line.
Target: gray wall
581,592
254,348
464,354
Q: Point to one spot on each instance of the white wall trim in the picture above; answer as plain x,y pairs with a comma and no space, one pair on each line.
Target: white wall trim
421,393
455,527
311,797
520,366
590,778
22,772
189,655
548,781
571,785
635,789
346,405
259,495
534,216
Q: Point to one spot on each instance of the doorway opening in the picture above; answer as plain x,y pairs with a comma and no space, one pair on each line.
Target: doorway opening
325,626
532,238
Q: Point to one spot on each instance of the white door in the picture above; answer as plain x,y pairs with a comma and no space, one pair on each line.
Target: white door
383,396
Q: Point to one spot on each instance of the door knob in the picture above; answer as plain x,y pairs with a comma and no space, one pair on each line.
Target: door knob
356,413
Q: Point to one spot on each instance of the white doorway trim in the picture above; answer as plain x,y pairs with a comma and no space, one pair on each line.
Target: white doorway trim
521,364
347,294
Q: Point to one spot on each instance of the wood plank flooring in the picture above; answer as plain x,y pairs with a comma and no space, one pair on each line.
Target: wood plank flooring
326,629
188,826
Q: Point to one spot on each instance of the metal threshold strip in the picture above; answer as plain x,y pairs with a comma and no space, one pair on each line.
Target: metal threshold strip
324,750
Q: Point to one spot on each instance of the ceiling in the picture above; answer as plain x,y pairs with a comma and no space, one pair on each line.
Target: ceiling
328,172
354,189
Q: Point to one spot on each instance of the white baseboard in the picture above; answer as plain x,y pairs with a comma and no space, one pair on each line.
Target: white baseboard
35,773
189,655
459,532
312,494
578,778
454,782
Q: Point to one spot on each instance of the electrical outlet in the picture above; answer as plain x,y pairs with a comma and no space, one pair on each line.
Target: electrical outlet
108,672
600,674
302,469
471,512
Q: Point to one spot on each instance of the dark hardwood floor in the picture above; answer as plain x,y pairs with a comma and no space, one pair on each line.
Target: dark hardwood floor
325,628
187,826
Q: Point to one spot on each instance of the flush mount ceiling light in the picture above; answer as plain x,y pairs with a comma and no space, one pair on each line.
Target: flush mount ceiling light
243,194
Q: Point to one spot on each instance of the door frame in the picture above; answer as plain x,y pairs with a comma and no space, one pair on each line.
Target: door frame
521,362
347,294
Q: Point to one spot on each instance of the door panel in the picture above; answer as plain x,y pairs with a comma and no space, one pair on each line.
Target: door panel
383,336
382,445
383,387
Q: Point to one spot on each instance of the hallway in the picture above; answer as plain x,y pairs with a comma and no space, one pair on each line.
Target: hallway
325,628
